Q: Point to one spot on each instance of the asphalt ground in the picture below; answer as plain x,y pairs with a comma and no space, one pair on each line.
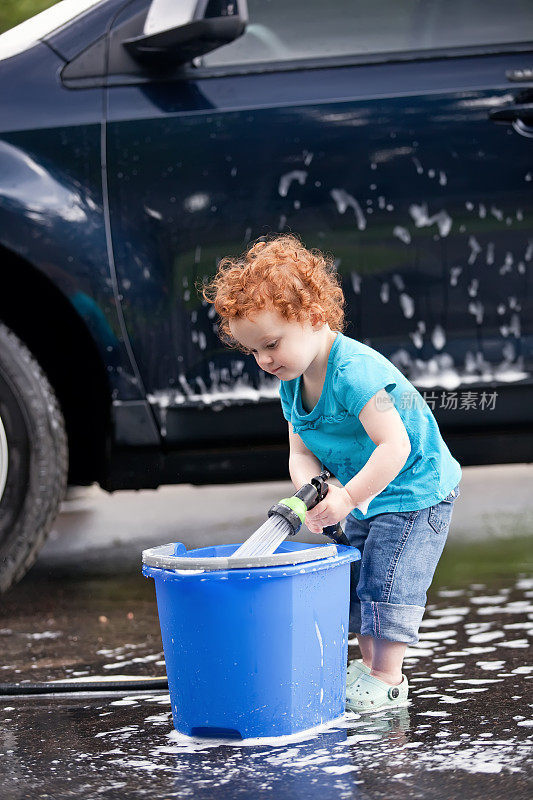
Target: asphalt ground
85,611
109,531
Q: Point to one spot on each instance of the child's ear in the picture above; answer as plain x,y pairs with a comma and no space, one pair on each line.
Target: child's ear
317,317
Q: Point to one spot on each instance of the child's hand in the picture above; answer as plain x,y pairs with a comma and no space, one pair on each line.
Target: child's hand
334,507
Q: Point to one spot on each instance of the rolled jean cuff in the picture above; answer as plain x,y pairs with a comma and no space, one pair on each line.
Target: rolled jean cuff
391,621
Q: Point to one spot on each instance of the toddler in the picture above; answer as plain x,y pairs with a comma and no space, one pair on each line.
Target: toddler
348,409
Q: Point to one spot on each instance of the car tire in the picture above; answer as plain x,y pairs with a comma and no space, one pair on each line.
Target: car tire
33,458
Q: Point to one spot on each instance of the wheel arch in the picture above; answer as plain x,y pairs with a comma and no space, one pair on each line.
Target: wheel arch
38,313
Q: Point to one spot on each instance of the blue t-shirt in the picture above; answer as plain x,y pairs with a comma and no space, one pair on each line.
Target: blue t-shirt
333,433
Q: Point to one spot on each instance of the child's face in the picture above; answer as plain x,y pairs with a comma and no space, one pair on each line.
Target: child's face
281,348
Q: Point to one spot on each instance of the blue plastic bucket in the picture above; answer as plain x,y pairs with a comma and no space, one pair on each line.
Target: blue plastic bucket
257,651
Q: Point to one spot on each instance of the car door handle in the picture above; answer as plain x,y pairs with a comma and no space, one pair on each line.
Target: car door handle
513,113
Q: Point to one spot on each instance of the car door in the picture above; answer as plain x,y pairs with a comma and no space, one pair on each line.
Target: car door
372,131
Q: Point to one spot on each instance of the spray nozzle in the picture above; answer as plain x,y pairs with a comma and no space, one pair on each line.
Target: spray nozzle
293,508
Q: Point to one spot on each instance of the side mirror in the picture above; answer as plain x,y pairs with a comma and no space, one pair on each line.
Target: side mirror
177,32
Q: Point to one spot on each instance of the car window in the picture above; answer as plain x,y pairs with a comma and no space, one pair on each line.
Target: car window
25,35
279,30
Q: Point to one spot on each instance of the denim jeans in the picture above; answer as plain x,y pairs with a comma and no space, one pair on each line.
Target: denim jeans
399,554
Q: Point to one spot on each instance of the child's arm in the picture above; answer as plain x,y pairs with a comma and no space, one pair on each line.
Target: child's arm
384,425
303,465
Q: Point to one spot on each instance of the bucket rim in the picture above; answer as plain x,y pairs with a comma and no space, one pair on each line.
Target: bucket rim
163,557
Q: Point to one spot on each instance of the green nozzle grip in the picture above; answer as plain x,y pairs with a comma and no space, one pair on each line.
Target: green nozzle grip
296,505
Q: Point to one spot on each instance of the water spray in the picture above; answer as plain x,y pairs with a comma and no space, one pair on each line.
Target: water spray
285,518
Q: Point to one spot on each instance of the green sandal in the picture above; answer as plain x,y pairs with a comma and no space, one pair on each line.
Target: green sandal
368,693
356,668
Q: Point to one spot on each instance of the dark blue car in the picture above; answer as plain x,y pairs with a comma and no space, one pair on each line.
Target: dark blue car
142,141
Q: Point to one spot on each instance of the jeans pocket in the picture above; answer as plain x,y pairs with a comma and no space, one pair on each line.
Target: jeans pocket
438,518
440,514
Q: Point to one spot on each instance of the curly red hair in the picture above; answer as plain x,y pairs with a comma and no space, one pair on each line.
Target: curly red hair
277,274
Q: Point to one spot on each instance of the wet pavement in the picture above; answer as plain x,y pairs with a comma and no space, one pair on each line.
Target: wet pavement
466,732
